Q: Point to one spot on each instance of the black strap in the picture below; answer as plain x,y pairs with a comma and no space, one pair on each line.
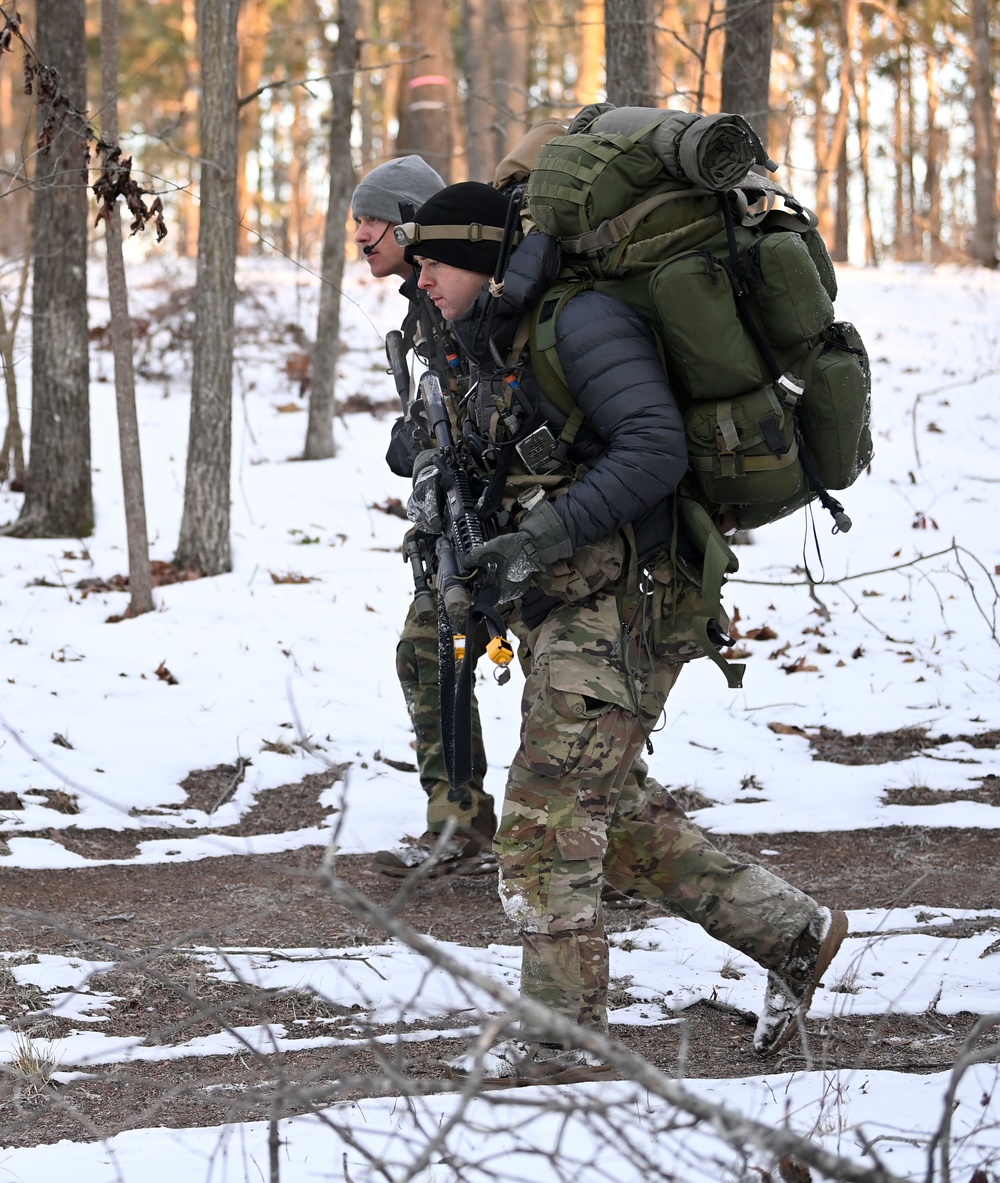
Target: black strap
455,690
741,300
457,746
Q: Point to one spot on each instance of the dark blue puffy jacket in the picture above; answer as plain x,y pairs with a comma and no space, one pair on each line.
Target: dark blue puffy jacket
632,442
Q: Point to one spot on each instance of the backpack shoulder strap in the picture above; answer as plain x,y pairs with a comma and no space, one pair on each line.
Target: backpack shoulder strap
545,357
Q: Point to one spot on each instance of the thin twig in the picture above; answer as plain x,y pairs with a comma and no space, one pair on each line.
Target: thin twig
735,1129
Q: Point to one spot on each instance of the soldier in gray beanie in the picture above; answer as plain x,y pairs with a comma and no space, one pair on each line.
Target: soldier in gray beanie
411,182
375,206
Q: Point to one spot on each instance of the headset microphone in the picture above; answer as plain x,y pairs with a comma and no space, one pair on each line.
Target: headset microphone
370,249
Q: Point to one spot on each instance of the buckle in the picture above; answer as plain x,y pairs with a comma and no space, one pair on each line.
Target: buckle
791,388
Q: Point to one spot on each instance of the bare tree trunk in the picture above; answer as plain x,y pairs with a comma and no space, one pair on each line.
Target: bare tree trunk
204,537
821,138
899,183
746,62
915,238
984,235
480,150
254,26
839,250
864,139
588,83
13,438
932,175
322,396
512,34
58,500
427,94
705,55
139,583
628,31
841,223
187,207
830,155
16,122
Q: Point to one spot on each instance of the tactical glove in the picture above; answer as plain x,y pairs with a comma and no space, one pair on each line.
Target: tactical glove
424,505
545,528
513,559
402,449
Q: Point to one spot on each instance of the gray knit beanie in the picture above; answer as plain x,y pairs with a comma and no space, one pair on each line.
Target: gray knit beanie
408,180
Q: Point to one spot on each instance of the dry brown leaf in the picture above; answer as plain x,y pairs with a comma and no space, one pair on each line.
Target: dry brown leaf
292,577
786,729
793,1172
800,667
392,506
764,633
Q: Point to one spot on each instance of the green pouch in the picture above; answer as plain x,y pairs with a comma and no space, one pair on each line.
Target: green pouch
822,261
835,411
744,450
790,299
583,180
587,570
677,605
687,607
706,344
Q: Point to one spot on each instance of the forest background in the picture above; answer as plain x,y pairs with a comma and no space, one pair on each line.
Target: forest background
252,120
245,124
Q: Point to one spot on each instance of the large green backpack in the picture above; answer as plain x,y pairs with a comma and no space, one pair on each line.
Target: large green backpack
733,276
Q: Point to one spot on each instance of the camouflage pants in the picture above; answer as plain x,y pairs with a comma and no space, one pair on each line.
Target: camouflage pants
580,809
417,670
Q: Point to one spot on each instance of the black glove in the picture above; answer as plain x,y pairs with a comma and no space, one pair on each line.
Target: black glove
513,559
424,505
545,528
402,449
516,557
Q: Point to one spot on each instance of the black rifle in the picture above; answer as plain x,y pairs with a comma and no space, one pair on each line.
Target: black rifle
415,548
466,598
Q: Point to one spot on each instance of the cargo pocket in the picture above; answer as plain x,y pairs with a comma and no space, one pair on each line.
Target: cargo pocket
576,878
793,303
836,407
579,703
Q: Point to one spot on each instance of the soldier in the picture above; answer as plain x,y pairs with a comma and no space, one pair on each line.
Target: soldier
605,579
375,206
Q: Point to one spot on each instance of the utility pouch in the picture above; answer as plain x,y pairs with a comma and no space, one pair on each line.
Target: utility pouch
700,615
789,295
836,410
587,570
676,604
744,450
706,343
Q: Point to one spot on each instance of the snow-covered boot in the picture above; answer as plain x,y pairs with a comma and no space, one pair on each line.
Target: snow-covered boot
791,984
516,1063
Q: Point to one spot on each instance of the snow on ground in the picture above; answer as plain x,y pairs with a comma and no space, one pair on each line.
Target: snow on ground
911,642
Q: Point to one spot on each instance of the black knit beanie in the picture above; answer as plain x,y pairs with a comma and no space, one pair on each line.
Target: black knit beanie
477,209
